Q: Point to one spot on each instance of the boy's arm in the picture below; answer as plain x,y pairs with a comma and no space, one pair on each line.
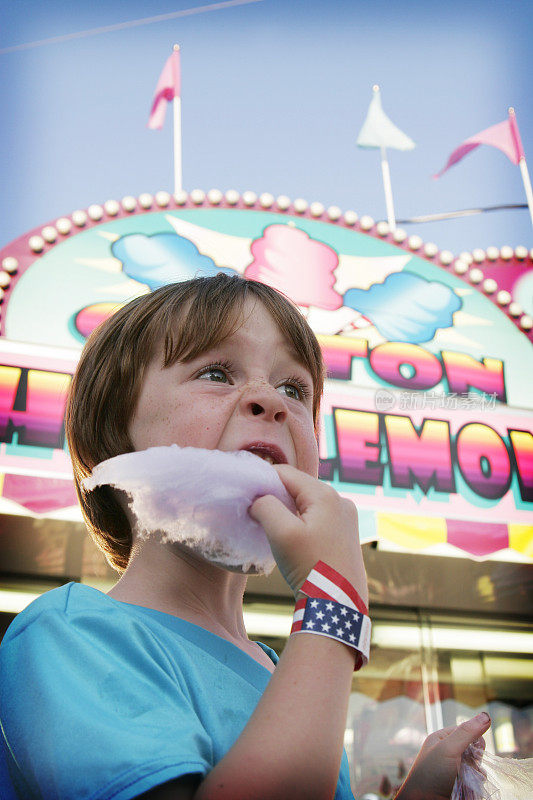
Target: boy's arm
431,777
291,746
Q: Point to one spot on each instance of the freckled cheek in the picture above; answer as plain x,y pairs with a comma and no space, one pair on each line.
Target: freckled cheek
313,459
197,431
198,424
306,447
190,421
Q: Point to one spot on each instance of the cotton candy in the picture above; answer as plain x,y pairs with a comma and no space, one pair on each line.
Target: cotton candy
485,776
199,498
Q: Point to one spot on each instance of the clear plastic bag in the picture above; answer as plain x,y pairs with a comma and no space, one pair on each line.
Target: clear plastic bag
483,776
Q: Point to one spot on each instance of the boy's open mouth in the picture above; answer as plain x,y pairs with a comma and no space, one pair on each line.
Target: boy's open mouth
268,452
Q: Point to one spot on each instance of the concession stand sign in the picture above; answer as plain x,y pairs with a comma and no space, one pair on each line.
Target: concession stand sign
427,415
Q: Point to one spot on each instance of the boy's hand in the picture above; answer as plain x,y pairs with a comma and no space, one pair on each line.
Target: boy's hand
433,773
324,529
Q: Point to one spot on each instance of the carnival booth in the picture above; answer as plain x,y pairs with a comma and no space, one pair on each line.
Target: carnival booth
426,424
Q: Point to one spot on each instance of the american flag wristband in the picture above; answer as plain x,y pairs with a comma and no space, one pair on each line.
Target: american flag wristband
339,612
325,582
336,621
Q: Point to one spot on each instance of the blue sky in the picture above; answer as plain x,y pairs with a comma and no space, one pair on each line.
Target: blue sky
274,94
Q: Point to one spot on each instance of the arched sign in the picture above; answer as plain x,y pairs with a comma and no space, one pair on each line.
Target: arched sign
427,415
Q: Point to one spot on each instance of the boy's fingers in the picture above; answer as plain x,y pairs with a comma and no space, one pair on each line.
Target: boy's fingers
272,514
468,732
297,483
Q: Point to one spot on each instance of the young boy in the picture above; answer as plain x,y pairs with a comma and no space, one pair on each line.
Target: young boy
154,689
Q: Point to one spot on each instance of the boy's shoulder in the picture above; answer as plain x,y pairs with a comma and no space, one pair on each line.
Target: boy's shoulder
74,624
65,601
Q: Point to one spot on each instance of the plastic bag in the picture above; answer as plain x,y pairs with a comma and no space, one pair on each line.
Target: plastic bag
483,776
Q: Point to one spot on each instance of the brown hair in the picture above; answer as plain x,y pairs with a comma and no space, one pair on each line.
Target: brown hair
190,317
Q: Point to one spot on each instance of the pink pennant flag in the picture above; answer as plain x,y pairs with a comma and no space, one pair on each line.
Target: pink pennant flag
505,136
168,87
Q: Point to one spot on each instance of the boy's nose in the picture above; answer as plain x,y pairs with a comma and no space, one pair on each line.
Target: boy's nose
266,402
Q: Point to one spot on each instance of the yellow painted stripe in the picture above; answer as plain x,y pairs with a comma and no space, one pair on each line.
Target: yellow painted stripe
521,538
411,531
1,483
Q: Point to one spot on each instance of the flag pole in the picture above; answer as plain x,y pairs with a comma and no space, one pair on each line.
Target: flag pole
387,186
379,132
176,104
526,180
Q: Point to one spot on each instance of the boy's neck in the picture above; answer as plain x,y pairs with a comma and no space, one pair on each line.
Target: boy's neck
173,580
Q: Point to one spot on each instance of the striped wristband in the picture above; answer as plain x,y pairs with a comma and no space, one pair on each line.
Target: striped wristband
324,581
334,609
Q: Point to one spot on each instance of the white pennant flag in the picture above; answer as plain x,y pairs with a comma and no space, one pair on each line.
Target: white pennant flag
379,131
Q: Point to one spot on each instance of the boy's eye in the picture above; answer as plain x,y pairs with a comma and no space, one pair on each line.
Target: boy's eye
293,390
215,373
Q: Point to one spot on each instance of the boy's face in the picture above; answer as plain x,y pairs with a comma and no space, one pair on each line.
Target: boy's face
249,392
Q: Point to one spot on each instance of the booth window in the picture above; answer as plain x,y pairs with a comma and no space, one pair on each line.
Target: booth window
427,672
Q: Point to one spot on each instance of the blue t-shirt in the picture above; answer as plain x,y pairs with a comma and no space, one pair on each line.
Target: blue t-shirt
101,699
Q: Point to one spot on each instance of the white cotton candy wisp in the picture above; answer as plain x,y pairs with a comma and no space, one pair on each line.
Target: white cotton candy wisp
199,498
485,776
